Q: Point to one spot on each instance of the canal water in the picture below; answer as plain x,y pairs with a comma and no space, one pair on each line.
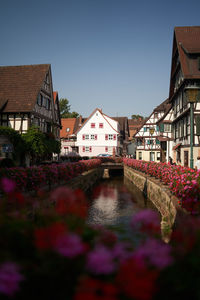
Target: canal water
113,201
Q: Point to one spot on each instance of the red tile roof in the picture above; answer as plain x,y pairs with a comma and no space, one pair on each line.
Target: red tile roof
72,124
20,85
188,42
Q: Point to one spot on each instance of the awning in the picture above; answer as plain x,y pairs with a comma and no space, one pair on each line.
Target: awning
164,139
175,147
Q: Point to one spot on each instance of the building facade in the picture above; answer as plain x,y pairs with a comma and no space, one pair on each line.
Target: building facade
185,75
99,134
148,136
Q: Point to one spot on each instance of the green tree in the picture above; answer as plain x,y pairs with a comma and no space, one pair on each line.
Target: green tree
40,145
65,109
35,141
137,117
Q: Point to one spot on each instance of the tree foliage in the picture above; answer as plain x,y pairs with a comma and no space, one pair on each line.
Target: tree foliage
15,139
65,109
137,117
39,144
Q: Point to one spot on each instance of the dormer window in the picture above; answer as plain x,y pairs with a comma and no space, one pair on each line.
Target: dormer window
67,129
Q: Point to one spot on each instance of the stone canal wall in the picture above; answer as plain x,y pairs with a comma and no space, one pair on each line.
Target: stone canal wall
159,194
86,180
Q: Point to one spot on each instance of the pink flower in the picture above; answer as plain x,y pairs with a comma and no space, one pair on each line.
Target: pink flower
100,261
157,253
9,278
8,185
146,220
69,245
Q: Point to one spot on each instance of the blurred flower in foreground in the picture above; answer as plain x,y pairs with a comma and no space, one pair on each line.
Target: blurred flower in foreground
8,185
100,261
9,278
155,252
146,220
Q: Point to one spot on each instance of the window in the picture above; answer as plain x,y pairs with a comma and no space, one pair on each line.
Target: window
158,155
139,142
86,136
67,129
110,137
92,125
92,137
140,156
167,127
100,125
88,149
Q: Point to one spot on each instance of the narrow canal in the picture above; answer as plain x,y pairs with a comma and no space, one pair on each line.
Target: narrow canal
113,201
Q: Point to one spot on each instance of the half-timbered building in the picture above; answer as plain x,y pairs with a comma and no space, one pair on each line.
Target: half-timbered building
26,98
148,135
185,74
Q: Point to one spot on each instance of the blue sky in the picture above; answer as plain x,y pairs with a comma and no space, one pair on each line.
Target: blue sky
108,54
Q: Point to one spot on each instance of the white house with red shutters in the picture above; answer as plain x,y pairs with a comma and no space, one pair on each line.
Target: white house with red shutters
99,134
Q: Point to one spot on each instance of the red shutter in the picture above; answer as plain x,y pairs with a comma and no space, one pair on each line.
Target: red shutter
83,136
106,149
114,137
95,136
106,136
90,149
83,148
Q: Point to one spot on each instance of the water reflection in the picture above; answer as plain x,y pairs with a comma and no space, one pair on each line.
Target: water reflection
114,201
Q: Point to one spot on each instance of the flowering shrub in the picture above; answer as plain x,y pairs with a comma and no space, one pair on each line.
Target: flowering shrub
33,178
183,182
52,253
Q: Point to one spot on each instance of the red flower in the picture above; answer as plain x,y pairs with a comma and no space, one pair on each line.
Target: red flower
45,238
136,280
94,289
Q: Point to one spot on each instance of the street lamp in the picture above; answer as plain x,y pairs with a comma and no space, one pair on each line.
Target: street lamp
151,130
191,93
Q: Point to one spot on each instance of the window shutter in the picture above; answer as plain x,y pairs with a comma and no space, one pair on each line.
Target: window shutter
114,137
90,149
83,148
83,136
145,129
197,121
95,136
148,142
157,142
157,128
162,127
106,149
106,136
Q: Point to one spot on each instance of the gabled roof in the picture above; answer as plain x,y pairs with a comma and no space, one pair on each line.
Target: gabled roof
104,116
20,85
163,107
188,43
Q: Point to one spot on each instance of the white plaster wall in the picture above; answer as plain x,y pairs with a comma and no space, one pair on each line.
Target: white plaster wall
98,145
